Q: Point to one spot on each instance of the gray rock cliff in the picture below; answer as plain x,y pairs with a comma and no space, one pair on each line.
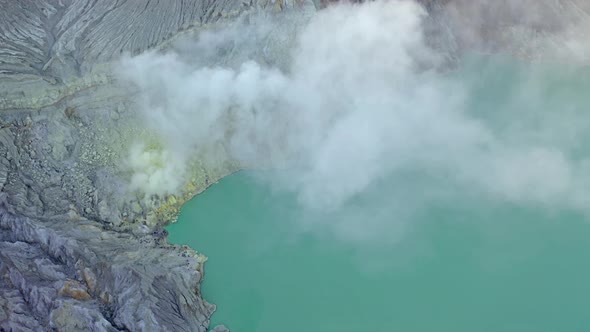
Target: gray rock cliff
77,251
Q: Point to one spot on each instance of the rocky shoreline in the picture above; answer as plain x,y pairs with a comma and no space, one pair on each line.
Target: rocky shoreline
78,252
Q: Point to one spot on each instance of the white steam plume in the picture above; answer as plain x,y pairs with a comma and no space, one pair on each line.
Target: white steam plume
364,97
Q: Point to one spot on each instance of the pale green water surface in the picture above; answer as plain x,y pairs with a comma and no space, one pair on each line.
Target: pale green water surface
463,265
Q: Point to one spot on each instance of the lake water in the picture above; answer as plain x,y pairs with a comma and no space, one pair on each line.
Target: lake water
461,265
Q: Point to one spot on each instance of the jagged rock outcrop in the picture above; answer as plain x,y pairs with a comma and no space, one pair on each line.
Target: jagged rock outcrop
78,276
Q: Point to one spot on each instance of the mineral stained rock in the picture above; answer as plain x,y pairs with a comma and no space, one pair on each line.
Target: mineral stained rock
78,252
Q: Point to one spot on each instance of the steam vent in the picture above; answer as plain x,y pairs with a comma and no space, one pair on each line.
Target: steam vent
330,166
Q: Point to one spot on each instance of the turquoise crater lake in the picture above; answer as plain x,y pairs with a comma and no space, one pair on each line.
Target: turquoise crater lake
461,264
514,270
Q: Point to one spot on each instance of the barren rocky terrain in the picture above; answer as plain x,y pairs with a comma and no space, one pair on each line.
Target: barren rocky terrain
78,251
